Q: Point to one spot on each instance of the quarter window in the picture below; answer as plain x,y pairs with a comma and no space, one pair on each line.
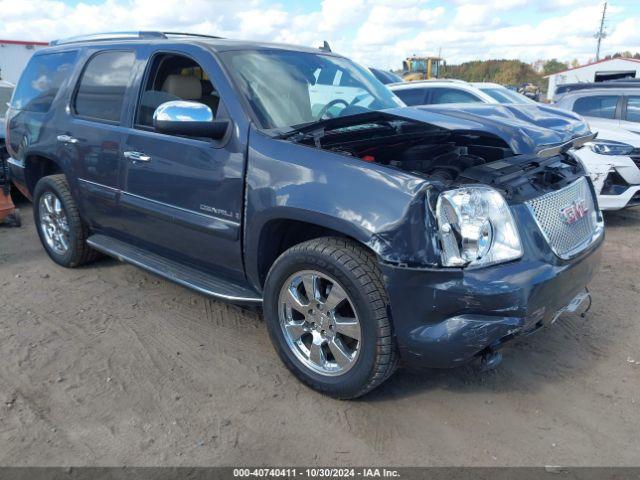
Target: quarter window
602,106
633,109
103,85
41,81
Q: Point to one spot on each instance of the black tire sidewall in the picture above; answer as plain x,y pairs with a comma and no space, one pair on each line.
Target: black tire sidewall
43,186
353,381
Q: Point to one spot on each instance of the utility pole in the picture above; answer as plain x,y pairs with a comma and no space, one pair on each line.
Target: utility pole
601,33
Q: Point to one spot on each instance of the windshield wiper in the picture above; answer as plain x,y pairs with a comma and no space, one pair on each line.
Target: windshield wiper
301,129
317,128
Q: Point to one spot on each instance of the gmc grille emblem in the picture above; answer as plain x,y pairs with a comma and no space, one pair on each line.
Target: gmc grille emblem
574,212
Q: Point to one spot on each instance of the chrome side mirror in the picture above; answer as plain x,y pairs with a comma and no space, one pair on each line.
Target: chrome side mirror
193,119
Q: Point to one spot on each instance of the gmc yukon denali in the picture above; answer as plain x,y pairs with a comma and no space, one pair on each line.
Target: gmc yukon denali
370,232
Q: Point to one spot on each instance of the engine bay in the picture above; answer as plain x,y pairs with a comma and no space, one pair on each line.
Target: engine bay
449,157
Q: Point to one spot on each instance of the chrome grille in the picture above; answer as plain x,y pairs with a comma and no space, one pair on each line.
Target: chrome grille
567,239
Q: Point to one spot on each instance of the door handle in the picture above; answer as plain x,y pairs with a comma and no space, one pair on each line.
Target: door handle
67,139
137,156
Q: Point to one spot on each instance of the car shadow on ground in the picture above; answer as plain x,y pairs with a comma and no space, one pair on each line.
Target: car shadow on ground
621,218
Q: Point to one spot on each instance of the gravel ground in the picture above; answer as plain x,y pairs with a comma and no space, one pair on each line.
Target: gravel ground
109,365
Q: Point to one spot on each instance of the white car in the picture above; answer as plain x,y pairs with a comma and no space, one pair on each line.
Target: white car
613,160
502,94
610,107
429,92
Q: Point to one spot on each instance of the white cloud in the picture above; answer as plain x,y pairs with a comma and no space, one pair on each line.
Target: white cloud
374,32
261,22
386,24
476,17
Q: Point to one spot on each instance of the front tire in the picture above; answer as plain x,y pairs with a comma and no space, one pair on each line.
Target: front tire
62,232
326,311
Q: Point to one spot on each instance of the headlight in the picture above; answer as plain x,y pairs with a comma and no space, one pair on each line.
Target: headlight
610,148
476,228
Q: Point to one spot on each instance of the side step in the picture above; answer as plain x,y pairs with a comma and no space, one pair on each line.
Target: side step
176,272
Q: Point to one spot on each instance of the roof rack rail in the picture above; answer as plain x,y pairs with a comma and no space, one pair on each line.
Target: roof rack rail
103,37
186,34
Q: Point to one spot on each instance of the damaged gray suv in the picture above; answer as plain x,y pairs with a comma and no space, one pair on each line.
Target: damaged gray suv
290,177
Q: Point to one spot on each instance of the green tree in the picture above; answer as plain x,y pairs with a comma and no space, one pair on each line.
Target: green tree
553,66
505,72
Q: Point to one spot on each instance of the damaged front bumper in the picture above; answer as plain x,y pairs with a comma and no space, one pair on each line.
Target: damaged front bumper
447,317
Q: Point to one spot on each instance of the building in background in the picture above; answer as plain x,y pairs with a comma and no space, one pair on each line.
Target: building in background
14,55
595,72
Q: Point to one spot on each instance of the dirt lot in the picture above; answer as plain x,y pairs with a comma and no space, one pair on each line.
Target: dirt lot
109,365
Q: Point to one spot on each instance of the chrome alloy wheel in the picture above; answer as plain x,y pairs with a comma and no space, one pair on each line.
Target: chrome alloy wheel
319,322
53,223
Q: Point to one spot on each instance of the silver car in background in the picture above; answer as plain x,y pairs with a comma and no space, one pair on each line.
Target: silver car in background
613,161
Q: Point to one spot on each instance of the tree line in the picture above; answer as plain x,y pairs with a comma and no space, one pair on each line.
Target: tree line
515,72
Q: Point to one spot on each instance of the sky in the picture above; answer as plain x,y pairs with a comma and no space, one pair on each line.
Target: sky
376,33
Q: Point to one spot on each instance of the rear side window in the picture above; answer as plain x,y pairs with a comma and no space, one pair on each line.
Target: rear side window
452,95
41,81
103,84
633,109
602,106
412,96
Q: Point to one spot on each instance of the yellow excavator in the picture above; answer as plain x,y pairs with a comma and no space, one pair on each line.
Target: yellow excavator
421,68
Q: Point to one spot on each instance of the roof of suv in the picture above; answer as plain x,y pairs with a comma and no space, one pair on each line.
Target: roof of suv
214,43
591,92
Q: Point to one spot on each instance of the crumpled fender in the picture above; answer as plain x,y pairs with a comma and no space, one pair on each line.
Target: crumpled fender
412,239
383,208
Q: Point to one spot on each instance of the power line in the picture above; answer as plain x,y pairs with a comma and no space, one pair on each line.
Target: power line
601,33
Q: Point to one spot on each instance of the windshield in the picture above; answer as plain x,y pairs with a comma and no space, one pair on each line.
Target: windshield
287,88
386,77
5,98
504,95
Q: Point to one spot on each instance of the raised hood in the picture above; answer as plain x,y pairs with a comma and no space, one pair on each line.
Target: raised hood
525,128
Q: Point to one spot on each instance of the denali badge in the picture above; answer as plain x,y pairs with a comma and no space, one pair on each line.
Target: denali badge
574,212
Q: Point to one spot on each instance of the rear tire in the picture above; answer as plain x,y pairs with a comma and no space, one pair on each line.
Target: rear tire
317,338
62,232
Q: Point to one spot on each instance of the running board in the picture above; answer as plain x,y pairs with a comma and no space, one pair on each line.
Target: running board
176,272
